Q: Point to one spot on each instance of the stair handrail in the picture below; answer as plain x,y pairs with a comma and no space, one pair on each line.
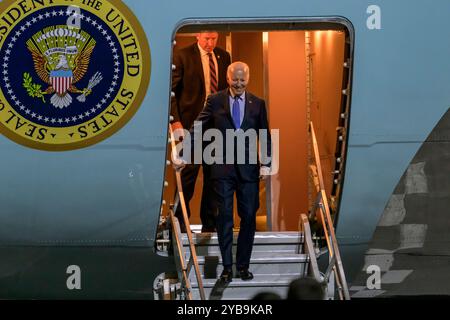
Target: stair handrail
309,247
193,253
321,205
179,253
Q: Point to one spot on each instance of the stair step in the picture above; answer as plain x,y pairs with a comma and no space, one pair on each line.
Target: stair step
274,264
270,238
274,249
259,281
239,289
231,293
264,257
260,264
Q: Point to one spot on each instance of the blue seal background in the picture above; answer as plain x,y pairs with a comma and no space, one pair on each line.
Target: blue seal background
21,61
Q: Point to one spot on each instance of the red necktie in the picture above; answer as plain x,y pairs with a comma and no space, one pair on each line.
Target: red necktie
212,74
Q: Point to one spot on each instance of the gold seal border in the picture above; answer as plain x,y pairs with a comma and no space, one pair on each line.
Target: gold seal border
132,109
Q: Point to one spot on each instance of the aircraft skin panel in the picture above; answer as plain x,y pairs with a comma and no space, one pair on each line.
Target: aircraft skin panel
104,272
410,242
102,195
372,75
109,194
395,106
379,95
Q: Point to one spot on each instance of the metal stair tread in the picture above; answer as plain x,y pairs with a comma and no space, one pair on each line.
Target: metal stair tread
267,257
205,239
215,250
275,280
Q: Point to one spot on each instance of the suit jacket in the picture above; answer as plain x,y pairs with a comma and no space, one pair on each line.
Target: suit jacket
188,82
217,115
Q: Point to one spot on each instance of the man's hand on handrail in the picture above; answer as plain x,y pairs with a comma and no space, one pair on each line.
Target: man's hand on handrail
178,163
177,130
264,172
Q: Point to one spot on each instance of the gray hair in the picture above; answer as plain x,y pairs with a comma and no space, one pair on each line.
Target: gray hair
238,65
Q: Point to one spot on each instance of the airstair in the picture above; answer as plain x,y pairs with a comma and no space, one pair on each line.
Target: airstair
276,260
277,257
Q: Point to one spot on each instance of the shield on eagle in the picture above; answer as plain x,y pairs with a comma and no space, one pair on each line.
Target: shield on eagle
61,80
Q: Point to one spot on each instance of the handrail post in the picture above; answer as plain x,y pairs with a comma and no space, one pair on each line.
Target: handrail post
186,221
179,252
309,247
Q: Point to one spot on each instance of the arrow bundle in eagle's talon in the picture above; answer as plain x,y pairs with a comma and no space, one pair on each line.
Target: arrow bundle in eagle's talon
95,80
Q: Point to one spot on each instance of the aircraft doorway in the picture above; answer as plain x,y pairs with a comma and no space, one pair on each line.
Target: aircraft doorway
304,76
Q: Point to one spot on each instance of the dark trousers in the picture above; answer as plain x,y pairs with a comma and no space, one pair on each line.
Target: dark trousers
247,194
188,177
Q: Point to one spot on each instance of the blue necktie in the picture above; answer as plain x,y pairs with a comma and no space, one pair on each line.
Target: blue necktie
236,113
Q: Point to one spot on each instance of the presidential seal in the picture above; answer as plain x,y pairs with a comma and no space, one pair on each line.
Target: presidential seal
72,73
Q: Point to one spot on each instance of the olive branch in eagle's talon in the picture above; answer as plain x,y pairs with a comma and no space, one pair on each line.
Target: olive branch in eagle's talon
33,89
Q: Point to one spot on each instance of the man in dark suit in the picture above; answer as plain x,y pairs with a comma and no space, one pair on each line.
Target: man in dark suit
200,69
234,166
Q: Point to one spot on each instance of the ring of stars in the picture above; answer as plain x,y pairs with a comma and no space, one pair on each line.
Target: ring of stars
4,63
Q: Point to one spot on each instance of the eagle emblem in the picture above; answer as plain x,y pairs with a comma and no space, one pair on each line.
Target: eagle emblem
70,75
61,59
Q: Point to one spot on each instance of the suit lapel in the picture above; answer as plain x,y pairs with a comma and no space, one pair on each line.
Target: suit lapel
218,58
248,105
228,108
221,69
198,64
217,55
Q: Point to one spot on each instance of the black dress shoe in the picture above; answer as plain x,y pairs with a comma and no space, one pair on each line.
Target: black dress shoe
226,276
208,229
245,275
